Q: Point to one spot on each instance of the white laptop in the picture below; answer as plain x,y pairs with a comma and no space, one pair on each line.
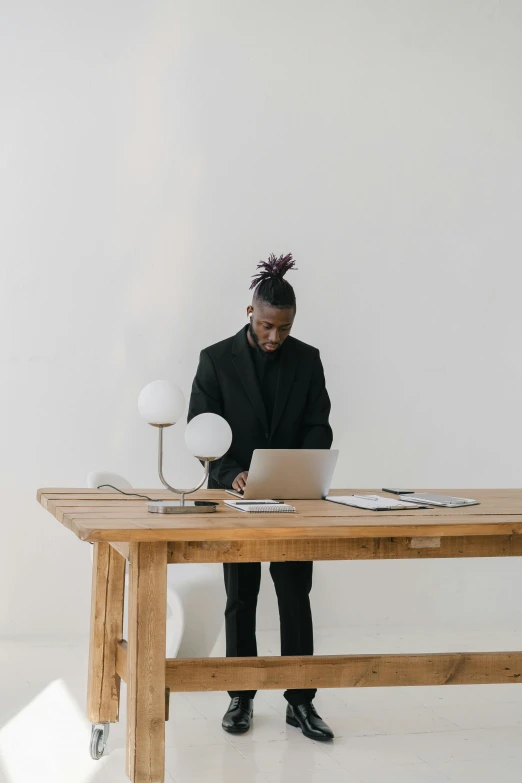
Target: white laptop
289,474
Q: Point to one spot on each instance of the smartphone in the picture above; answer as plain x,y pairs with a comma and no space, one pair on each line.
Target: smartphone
399,491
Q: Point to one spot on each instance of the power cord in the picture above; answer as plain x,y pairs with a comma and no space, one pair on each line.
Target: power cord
136,494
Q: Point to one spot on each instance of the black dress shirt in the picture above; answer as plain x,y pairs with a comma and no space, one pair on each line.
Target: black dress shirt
267,372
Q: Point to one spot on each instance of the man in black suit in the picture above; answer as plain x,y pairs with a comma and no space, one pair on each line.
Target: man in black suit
270,388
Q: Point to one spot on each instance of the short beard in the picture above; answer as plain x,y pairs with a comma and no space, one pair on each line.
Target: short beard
255,339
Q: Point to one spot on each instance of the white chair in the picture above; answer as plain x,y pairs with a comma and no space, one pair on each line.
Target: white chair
195,595
97,478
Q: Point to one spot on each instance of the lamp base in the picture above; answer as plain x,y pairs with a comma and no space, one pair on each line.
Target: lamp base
174,507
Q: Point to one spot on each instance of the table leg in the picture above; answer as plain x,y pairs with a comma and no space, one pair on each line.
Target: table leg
108,585
146,663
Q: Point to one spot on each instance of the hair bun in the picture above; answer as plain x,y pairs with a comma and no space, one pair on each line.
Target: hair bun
273,268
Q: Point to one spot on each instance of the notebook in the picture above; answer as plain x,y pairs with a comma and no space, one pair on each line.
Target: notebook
261,506
372,502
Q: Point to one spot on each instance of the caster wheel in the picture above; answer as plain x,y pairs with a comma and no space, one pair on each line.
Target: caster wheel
99,736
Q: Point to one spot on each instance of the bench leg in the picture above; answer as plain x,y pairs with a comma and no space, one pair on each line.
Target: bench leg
108,585
146,663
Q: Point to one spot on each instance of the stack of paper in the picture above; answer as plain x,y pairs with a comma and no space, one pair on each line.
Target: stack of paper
372,502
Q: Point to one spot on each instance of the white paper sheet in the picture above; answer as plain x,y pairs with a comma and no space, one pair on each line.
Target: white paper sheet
371,502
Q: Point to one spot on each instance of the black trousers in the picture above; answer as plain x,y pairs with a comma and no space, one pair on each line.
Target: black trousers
293,582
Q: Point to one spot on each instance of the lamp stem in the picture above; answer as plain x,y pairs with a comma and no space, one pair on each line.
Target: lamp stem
180,492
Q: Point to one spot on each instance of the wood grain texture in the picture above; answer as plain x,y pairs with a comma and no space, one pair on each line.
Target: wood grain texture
121,669
342,549
106,631
108,517
342,671
146,663
337,671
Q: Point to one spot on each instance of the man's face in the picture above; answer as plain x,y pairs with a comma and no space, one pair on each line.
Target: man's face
269,326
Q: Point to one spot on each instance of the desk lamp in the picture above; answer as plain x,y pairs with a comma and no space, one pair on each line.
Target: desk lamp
208,436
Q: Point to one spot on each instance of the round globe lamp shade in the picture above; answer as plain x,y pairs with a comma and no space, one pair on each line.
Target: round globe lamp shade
161,404
208,436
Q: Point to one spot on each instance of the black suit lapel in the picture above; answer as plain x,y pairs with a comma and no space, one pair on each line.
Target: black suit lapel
247,373
287,367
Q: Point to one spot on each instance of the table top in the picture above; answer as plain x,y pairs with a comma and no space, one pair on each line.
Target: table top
106,515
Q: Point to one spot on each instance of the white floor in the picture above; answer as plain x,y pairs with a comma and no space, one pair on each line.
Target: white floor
463,734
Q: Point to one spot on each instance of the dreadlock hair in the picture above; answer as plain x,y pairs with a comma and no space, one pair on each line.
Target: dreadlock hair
270,287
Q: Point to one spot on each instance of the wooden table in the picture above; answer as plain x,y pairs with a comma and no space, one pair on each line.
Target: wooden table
122,530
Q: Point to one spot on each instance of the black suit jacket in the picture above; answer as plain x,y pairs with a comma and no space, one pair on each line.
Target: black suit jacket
226,384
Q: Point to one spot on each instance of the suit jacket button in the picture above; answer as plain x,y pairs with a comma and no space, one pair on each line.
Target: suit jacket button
267,434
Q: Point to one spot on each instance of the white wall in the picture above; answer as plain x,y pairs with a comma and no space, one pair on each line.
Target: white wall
152,152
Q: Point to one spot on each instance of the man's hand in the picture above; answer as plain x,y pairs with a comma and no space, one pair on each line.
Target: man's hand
240,481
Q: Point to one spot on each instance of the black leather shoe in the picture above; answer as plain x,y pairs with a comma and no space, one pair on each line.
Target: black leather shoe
305,717
236,719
